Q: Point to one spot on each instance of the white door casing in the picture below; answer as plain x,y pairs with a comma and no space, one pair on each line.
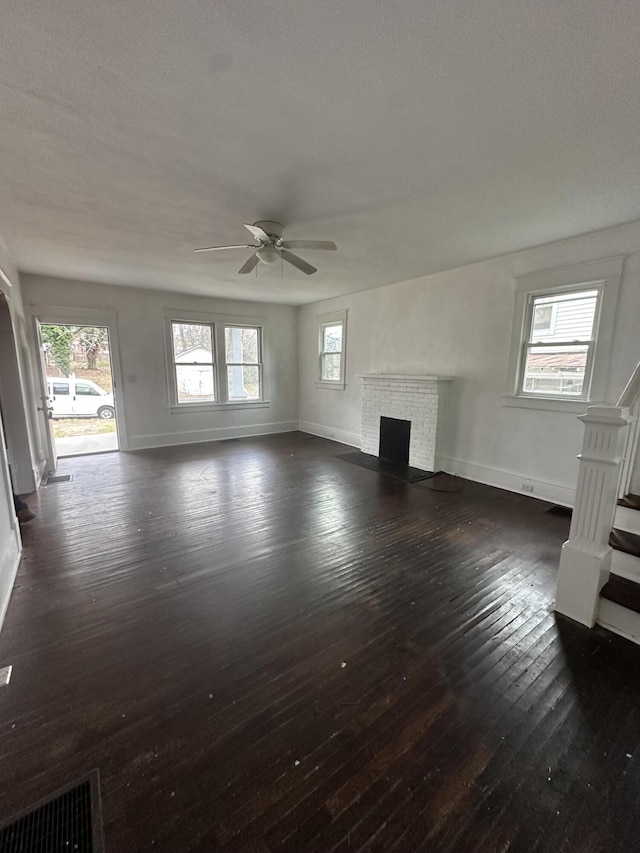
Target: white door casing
45,402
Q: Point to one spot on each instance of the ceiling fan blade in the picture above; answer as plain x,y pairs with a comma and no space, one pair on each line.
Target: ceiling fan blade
217,248
259,233
298,262
309,244
249,265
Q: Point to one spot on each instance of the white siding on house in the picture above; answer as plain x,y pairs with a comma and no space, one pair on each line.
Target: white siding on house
572,318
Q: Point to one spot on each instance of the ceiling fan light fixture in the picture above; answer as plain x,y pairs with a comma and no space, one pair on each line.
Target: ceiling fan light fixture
268,255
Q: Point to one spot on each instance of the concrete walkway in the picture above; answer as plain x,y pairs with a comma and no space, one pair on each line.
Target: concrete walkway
80,444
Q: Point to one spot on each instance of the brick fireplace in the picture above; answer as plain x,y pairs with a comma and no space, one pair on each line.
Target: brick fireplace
421,400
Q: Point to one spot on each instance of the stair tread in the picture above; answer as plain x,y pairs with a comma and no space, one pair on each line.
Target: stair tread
630,501
622,540
622,591
627,519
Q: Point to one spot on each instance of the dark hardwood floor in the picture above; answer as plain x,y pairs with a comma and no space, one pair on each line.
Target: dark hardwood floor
264,648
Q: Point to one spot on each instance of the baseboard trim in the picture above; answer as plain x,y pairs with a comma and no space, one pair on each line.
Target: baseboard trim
9,562
172,439
333,434
510,480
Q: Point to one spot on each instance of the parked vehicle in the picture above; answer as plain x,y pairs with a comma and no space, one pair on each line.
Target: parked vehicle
79,398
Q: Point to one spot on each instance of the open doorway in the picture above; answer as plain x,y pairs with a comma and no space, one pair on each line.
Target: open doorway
80,388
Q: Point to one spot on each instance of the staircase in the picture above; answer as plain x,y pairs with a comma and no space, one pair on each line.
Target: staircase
619,606
599,577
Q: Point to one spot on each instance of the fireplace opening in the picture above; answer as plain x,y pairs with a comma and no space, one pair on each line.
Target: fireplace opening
394,440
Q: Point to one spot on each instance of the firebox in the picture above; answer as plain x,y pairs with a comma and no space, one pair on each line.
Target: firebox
394,440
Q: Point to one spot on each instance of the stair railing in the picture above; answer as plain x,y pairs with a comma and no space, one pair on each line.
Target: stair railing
630,400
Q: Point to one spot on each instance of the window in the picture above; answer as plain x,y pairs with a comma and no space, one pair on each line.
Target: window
193,362
557,357
244,363
60,389
544,317
332,340
86,390
213,363
562,334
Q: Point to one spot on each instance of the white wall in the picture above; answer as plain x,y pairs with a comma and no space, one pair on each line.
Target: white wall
458,323
142,356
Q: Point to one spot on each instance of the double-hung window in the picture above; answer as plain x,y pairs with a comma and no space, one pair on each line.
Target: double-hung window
562,335
213,363
558,346
332,335
193,362
244,362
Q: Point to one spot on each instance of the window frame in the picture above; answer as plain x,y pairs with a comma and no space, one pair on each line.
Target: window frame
335,318
527,344
218,323
603,276
211,364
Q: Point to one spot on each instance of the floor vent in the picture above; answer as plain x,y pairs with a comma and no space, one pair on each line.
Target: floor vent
70,821
59,478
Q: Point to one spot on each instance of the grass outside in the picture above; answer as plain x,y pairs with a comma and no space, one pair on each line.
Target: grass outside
71,427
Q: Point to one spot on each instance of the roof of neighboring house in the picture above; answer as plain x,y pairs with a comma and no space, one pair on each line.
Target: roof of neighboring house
194,354
558,360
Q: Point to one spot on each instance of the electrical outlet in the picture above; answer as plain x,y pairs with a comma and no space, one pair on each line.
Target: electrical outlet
526,487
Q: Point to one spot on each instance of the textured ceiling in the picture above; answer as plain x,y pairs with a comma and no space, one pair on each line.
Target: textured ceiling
417,134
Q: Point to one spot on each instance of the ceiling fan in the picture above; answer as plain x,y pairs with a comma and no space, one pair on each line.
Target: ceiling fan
271,248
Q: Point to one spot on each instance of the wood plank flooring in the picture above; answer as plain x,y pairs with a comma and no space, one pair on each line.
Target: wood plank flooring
265,649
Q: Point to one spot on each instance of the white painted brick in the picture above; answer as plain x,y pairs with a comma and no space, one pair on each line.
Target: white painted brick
405,399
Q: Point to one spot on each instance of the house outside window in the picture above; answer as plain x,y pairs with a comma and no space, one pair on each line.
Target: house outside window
332,329
213,363
562,335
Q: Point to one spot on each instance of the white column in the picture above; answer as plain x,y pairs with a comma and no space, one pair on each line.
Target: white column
586,556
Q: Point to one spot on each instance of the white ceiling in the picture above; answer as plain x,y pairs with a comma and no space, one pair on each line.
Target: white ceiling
417,134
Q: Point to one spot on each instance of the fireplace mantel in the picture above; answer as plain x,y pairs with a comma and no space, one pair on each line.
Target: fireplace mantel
405,377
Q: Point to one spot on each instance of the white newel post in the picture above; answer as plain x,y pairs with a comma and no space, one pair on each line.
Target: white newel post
586,555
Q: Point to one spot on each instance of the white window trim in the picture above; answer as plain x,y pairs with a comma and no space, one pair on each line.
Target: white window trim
603,275
326,320
218,321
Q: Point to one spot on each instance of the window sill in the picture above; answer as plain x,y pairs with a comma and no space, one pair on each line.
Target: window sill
547,404
190,408
335,386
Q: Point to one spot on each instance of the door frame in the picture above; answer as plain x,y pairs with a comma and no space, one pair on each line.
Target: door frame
59,316
49,439
21,425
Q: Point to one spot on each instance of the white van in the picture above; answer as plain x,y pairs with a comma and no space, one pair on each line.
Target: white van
79,398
